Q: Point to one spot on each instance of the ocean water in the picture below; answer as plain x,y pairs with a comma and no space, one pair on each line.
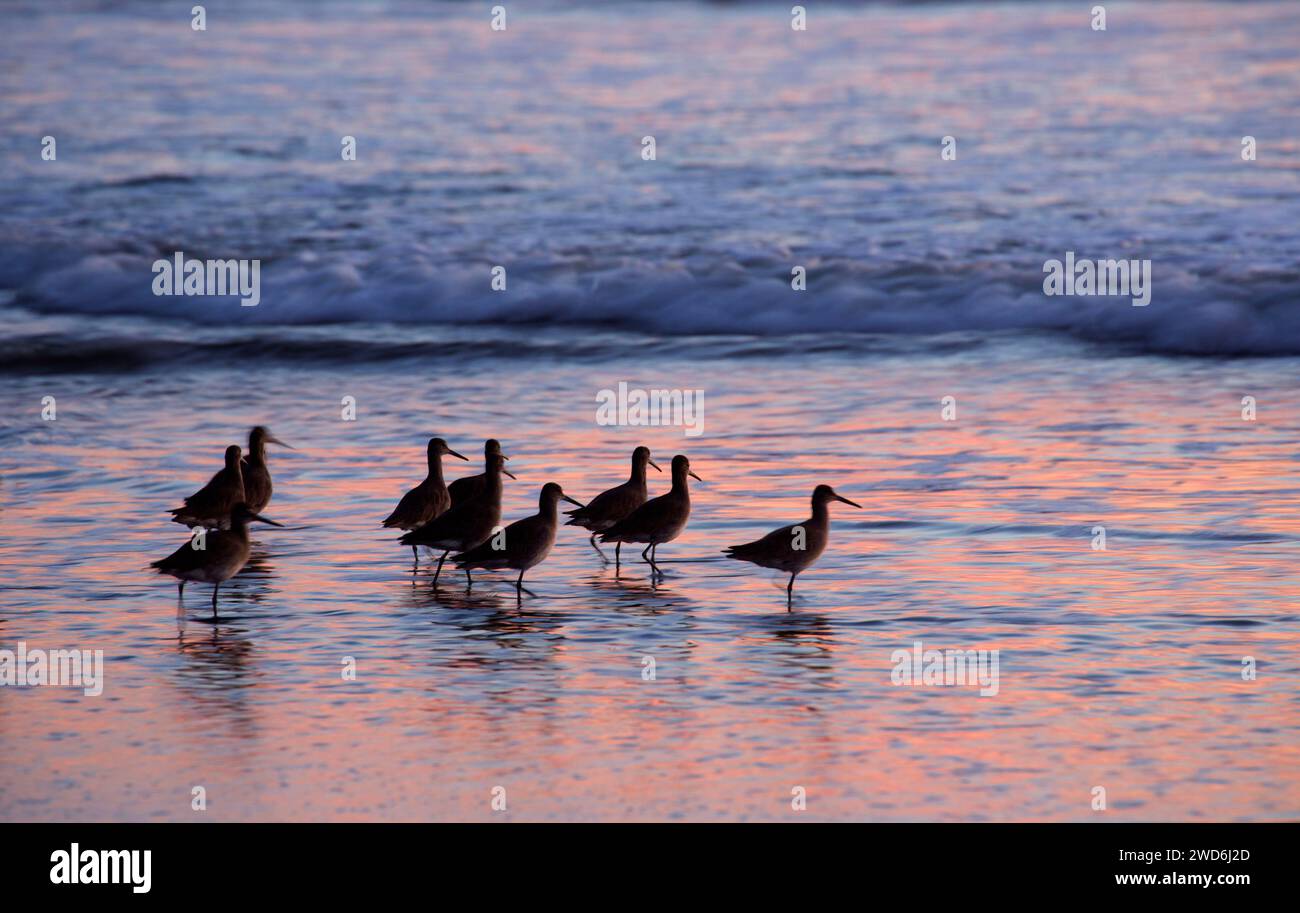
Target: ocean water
774,149
1119,668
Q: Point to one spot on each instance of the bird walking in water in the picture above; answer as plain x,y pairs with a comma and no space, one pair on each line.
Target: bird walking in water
612,505
526,542
466,524
427,500
256,473
792,549
213,556
210,506
469,487
660,519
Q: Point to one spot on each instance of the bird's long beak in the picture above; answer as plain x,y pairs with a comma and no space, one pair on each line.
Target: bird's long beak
652,463
847,501
252,516
276,440
572,501
691,473
509,473
451,452
504,457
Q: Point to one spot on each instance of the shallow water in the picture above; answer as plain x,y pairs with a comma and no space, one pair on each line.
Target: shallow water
1118,668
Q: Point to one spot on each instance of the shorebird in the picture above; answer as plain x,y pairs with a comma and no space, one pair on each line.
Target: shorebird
526,543
426,500
221,555
793,548
660,519
211,505
257,475
610,506
462,490
466,524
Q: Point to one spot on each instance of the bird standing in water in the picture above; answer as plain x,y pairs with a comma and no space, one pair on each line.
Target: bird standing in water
612,505
794,548
427,500
213,556
526,542
660,519
465,524
210,506
256,473
464,489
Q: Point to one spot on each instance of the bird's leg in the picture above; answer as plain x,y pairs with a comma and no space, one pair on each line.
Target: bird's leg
520,588
645,554
415,552
617,549
180,592
597,548
439,570
789,593
653,565
215,587
470,580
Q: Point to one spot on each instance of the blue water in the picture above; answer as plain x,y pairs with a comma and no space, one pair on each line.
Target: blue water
775,149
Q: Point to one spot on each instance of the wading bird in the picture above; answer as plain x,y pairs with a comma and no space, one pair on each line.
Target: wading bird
792,549
215,556
660,519
612,505
525,543
211,505
466,524
427,500
256,473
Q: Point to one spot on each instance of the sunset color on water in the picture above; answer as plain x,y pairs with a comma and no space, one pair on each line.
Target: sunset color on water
1118,667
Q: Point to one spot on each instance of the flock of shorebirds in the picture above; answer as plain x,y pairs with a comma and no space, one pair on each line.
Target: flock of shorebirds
463,519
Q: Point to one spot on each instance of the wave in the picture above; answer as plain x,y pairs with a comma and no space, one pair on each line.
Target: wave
1228,314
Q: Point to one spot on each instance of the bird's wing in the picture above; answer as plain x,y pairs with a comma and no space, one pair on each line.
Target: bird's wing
446,522
649,515
210,497
771,544
405,511
604,506
519,534
182,559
